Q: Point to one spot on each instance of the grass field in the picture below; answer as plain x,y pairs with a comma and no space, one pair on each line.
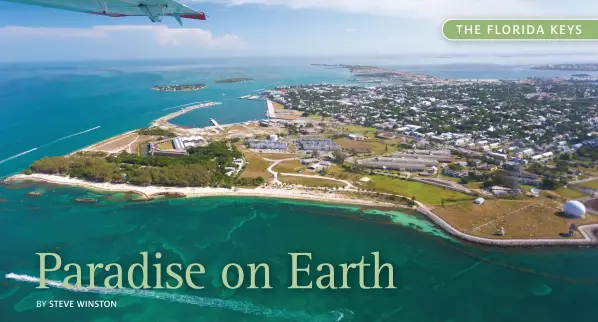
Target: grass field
277,106
374,146
357,129
537,218
256,167
428,194
279,156
443,177
569,194
588,185
310,182
142,140
166,145
319,118
291,166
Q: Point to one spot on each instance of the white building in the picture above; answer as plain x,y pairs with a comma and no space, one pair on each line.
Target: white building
192,141
574,209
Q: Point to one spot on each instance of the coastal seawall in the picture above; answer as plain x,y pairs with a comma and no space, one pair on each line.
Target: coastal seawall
586,231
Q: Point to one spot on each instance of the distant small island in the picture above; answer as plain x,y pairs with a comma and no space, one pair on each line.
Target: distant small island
232,80
179,88
579,67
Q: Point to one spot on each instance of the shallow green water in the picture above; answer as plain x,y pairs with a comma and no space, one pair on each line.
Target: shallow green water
437,278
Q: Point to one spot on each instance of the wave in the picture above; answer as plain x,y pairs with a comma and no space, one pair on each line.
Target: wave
75,134
237,306
17,155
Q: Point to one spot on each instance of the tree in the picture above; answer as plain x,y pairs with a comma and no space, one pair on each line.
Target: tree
315,153
141,177
550,184
339,157
455,167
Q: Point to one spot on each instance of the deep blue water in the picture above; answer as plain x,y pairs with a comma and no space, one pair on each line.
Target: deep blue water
43,103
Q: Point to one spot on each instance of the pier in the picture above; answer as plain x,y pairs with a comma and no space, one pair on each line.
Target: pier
164,120
216,124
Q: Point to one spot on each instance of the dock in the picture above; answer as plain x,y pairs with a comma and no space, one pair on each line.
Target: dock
216,124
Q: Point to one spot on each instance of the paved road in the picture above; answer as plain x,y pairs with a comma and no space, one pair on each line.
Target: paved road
348,185
274,173
583,181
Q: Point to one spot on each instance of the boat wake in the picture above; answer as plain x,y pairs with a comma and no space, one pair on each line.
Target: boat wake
17,155
237,306
70,136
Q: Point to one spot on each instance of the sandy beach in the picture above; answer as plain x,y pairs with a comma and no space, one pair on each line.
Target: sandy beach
192,192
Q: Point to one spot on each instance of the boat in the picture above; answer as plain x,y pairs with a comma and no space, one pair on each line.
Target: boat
34,194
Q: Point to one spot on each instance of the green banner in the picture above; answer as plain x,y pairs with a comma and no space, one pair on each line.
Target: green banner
524,29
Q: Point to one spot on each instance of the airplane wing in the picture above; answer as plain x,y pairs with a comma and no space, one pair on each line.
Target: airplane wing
153,9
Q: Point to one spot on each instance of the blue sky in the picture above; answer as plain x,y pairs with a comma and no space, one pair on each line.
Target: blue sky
274,28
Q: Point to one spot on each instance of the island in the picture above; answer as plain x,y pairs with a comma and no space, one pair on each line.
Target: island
233,80
179,88
577,67
509,163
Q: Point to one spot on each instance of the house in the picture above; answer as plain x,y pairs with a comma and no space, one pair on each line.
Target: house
356,137
454,173
384,136
498,156
314,166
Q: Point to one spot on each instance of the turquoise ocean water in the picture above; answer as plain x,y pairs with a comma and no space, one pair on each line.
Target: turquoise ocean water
46,106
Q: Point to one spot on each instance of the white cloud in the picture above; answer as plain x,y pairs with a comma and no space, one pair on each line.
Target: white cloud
436,9
162,35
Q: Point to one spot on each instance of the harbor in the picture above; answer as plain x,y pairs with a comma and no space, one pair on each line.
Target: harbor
164,121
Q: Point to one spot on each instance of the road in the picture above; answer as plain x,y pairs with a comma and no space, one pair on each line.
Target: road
583,181
348,185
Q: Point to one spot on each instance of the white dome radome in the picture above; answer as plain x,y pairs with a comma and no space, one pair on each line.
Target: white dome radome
574,209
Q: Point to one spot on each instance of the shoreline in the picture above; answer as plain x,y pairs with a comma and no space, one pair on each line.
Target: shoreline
198,192
589,239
